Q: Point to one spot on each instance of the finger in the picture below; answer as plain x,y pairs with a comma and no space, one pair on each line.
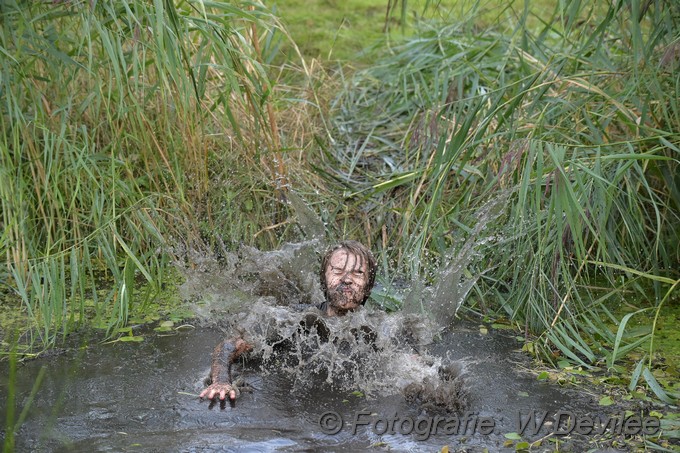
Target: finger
223,393
211,395
232,395
203,393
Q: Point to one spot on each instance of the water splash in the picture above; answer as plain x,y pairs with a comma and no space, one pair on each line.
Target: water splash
257,295
453,280
377,353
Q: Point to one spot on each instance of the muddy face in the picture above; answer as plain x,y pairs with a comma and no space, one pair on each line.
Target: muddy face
346,279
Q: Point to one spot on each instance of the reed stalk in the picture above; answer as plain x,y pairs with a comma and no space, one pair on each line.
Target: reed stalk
110,116
575,123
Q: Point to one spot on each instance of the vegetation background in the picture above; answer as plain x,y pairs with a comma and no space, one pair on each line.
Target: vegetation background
134,132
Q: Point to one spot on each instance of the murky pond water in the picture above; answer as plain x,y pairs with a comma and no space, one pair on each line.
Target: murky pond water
132,397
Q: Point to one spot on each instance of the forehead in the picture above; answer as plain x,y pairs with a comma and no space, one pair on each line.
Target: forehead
342,258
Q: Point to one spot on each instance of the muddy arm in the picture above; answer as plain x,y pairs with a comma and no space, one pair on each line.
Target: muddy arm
223,357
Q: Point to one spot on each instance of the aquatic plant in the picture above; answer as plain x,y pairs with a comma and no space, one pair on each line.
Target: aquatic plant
109,115
13,424
574,123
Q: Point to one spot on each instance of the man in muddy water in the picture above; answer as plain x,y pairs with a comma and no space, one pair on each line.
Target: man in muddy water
347,275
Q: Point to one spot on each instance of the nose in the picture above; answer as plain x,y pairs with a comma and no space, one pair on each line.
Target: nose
347,278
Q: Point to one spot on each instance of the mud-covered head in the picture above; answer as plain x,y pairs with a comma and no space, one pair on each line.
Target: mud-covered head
347,276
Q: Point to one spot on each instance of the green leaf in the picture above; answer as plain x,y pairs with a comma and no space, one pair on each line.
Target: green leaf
636,374
396,181
619,335
162,329
131,338
513,436
132,256
657,278
656,388
606,401
522,446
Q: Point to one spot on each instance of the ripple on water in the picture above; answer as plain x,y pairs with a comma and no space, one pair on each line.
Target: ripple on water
96,410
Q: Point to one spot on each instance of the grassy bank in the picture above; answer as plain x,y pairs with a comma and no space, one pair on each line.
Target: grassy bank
342,32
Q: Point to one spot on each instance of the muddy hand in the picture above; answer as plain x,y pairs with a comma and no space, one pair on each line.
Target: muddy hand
221,389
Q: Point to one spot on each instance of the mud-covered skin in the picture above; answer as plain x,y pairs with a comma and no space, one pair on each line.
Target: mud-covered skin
223,357
346,281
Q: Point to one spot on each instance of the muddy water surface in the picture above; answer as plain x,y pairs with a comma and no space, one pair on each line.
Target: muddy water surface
138,397
380,375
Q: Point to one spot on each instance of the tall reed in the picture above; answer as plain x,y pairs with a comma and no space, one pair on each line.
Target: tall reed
110,113
576,123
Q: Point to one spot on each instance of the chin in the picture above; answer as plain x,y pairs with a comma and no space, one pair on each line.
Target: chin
345,305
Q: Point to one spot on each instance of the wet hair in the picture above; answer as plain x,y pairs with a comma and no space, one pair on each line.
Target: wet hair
362,252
